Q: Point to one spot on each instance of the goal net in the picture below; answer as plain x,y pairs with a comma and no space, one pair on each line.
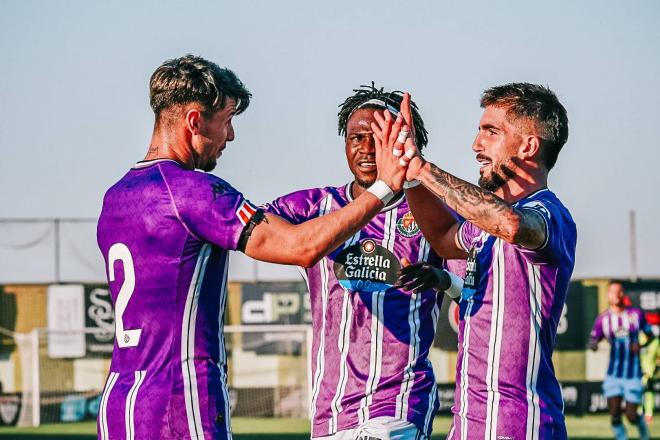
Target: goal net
267,374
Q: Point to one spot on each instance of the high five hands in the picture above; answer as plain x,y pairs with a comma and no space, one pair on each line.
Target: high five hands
395,140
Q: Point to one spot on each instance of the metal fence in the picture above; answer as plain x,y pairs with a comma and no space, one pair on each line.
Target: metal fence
61,250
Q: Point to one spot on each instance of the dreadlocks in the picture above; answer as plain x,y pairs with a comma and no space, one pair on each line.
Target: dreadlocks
367,93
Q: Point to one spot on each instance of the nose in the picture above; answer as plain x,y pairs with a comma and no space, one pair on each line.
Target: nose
476,144
230,133
369,145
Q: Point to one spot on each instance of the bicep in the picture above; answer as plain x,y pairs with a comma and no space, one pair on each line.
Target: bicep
532,231
448,244
270,240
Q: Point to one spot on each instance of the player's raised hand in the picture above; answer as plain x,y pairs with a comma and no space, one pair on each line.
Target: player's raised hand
416,161
390,170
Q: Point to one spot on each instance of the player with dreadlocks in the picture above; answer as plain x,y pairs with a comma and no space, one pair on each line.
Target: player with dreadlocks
371,375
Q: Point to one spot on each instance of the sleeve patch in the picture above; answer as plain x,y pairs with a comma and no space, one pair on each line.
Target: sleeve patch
245,212
539,206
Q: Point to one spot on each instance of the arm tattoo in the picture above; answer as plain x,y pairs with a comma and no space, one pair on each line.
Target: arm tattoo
487,211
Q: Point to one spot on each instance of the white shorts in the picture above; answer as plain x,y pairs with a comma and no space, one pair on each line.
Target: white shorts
379,428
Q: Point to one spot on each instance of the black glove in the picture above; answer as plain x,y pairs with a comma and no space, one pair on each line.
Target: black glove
423,276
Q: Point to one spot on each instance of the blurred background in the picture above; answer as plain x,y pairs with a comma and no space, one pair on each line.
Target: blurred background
74,117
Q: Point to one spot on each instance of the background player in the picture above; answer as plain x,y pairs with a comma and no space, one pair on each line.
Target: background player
520,243
371,374
621,326
165,231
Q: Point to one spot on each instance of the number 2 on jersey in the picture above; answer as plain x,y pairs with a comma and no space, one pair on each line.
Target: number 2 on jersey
125,338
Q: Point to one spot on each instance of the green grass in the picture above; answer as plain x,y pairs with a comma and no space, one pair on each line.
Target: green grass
583,428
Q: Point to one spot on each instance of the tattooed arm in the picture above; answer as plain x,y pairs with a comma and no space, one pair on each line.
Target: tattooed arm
480,207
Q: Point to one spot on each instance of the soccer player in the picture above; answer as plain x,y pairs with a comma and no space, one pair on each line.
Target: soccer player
165,232
371,374
519,241
621,326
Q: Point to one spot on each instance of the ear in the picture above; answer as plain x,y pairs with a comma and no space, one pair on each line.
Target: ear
193,120
531,147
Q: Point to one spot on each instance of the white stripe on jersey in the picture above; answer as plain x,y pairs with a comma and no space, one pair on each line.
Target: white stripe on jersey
495,342
625,323
534,351
129,413
324,208
343,343
188,344
103,408
462,413
223,349
606,326
377,300
415,303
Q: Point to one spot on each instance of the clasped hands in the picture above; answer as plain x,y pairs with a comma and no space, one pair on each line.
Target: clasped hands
397,157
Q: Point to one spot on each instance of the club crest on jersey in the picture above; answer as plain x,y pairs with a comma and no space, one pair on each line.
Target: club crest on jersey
245,212
366,267
407,226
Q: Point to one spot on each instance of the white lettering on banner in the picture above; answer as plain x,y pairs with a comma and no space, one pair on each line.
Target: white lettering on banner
100,311
649,300
271,308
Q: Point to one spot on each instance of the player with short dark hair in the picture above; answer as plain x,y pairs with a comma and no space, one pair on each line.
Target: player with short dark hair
621,326
371,374
165,232
519,241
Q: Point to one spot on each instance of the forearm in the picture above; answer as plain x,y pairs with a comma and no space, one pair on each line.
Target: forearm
435,221
476,205
277,241
316,238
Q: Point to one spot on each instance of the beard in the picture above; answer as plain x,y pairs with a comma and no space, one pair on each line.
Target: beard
210,165
497,178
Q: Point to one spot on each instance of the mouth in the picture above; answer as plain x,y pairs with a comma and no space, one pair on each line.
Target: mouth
484,161
367,166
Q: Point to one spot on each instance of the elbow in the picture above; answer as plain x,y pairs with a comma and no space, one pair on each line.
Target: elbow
308,257
511,229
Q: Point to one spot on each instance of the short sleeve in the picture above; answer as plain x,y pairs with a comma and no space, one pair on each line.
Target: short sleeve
467,232
597,330
560,232
298,206
210,208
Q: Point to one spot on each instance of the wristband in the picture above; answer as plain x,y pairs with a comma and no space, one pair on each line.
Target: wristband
381,190
456,287
411,184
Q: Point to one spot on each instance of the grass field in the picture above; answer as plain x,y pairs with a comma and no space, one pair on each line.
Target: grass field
583,428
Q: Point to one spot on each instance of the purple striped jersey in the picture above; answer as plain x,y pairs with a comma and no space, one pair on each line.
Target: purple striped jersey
165,233
510,306
371,341
621,330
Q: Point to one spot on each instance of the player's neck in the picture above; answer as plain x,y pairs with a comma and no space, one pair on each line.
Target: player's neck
617,308
520,187
167,146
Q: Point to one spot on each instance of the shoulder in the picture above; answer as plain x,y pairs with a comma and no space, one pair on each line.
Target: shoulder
548,203
306,199
193,182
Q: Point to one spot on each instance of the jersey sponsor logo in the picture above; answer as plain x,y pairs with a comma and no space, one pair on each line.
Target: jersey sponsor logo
472,273
367,267
407,226
245,212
